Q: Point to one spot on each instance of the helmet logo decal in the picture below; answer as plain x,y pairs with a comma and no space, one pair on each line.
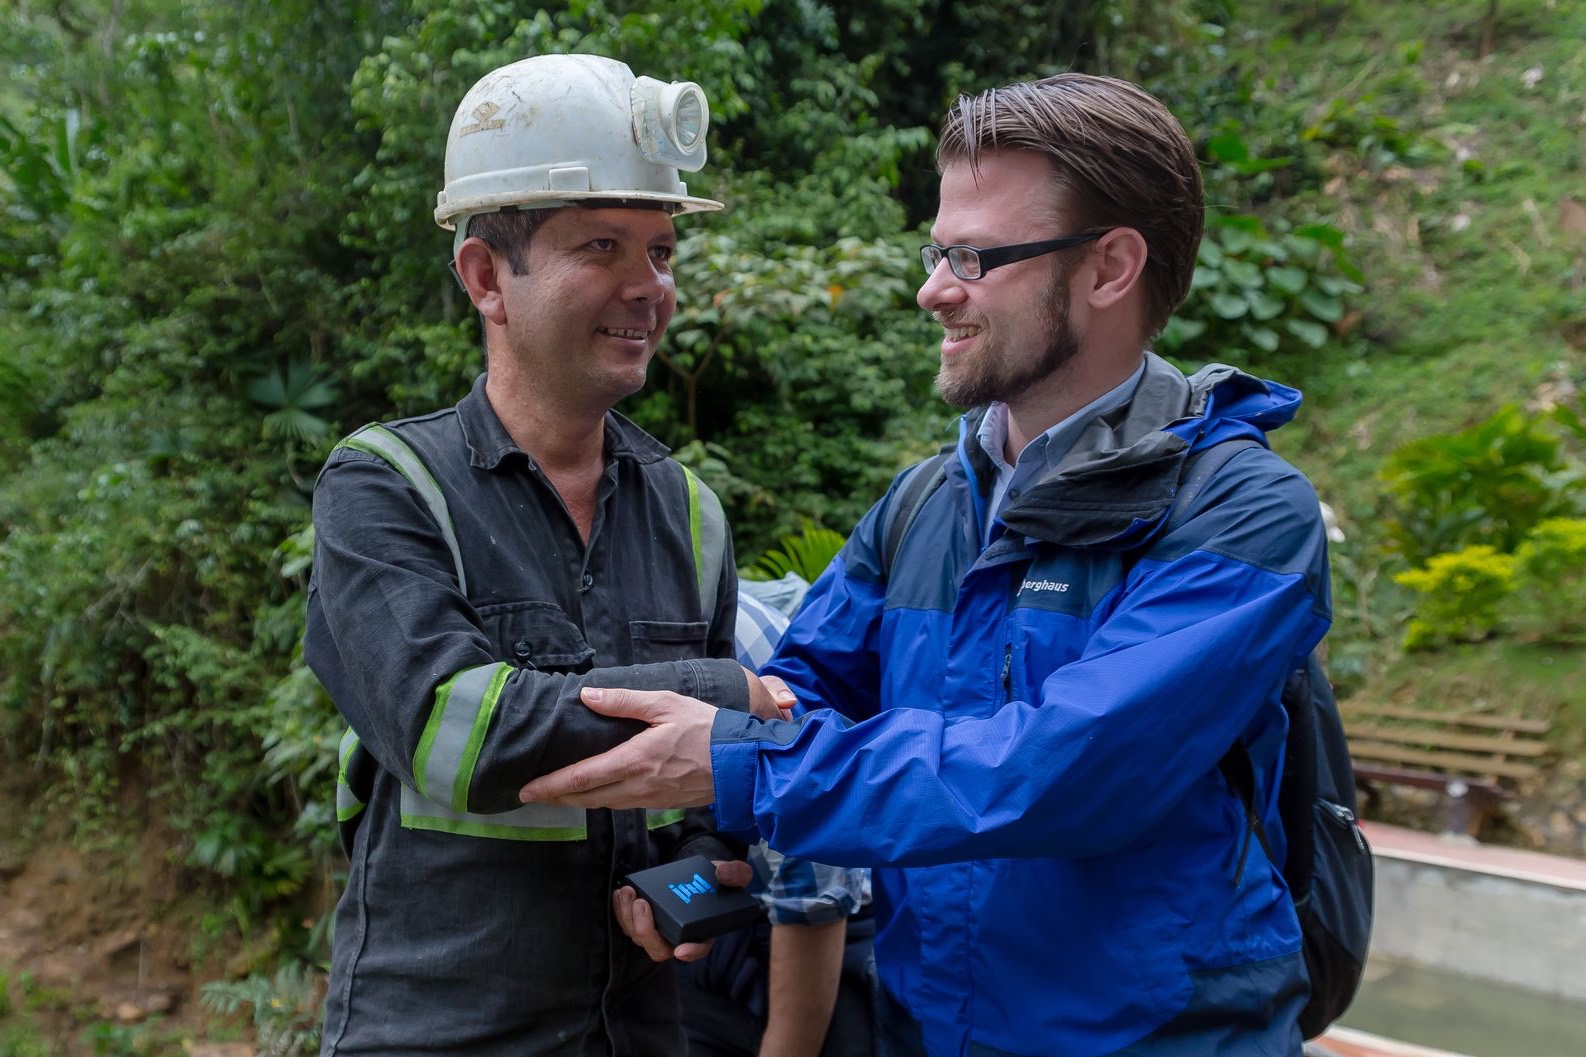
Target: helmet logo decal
482,115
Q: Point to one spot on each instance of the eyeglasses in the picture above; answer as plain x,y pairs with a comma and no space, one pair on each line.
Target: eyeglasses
970,262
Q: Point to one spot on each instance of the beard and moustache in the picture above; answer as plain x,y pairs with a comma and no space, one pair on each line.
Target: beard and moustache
993,374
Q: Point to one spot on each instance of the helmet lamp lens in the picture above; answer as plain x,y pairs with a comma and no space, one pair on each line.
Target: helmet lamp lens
688,118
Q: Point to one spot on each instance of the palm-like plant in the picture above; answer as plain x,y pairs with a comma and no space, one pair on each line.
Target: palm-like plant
807,552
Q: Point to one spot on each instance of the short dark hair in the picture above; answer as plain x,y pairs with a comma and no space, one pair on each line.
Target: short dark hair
1119,159
509,232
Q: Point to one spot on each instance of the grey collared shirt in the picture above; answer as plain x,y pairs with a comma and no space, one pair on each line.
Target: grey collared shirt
1044,452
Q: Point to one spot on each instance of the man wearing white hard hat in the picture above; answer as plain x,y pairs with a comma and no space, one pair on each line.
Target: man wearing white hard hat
477,567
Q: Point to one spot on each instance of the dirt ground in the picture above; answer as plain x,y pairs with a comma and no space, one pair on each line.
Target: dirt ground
97,951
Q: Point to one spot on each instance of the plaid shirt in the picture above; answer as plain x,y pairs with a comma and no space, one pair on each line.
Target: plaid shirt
795,891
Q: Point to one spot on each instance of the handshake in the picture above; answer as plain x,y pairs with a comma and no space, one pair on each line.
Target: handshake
769,697
666,765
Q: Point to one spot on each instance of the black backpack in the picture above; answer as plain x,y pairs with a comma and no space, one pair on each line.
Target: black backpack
1329,867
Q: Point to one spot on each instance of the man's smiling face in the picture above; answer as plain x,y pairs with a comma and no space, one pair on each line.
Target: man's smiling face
1010,328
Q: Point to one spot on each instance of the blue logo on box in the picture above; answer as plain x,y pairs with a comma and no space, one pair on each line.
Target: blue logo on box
689,889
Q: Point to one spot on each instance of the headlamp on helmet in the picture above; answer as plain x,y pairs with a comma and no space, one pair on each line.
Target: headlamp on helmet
670,121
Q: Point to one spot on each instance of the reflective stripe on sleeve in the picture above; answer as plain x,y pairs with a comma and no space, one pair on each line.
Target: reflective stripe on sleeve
657,819
379,441
448,750
536,822
347,803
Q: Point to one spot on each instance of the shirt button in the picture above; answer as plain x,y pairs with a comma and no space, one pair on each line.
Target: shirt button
521,649
587,582
1013,493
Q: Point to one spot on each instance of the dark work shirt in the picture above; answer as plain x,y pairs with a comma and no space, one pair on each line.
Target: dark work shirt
485,939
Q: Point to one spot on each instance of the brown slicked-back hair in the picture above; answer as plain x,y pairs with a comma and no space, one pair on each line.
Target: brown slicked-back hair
1119,159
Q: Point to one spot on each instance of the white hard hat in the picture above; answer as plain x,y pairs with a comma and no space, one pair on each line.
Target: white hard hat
557,130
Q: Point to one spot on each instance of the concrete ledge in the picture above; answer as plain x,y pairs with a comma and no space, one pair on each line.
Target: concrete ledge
1497,914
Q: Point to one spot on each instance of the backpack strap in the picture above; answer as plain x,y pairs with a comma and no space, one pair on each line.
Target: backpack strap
1235,765
918,484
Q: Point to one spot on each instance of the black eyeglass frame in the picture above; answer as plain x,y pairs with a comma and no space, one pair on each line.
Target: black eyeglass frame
931,254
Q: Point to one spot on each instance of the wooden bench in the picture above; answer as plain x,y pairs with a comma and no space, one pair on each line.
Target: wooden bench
1476,760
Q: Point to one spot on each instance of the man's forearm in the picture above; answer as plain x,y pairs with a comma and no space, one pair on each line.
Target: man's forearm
806,961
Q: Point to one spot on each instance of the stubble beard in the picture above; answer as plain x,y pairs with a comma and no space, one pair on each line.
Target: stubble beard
995,375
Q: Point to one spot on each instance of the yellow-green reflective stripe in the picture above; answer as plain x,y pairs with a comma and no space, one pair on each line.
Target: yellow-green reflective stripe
657,819
347,803
448,750
492,830
541,822
379,441
694,535
707,532
349,745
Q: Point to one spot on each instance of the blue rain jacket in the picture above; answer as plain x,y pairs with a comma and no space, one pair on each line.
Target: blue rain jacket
1023,737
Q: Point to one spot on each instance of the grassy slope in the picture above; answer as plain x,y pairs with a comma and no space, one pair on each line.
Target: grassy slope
1477,292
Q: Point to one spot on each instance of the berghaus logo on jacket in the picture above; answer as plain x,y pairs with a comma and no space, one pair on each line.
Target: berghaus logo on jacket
687,890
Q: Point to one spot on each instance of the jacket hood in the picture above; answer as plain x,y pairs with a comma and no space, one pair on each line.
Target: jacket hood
1117,483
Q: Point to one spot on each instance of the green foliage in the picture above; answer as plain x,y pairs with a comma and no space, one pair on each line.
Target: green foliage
264,870
807,553
1378,139
285,1006
293,395
110,1039
1549,602
806,367
1262,289
16,1040
1490,483
1539,592
1461,595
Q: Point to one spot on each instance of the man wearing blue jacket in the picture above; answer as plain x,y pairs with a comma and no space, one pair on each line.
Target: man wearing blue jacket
1017,718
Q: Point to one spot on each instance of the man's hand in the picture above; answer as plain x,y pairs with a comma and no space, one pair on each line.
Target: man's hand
667,765
638,921
769,697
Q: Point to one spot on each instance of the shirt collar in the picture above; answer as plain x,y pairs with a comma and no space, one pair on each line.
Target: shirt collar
1054,443
489,442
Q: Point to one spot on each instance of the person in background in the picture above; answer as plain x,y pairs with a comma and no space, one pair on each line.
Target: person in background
800,983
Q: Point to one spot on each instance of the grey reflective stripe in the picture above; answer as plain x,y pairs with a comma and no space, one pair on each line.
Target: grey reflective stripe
707,531
347,803
448,750
657,819
544,822
377,440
